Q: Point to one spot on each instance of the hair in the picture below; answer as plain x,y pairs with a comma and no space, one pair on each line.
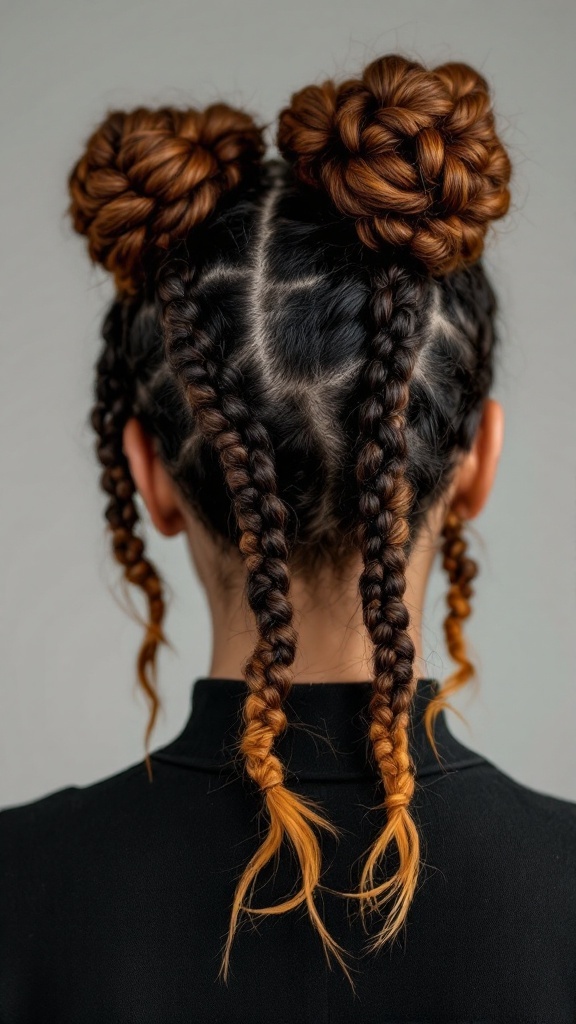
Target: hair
310,340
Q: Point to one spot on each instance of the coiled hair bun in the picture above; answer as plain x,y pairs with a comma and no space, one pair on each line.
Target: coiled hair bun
412,154
148,176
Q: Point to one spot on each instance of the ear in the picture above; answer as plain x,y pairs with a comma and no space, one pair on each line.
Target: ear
475,477
156,487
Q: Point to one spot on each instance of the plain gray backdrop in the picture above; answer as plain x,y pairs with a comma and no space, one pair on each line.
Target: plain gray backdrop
71,712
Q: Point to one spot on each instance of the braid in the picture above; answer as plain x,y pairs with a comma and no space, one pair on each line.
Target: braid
383,532
214,392
411,157
461,571
109,415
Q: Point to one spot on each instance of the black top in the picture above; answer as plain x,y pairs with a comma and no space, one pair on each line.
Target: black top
115,897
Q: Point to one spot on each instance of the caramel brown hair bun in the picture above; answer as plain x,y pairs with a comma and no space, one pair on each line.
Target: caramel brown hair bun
412,154
148,176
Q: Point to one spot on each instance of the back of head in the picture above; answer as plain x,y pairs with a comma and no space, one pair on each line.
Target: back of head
311,340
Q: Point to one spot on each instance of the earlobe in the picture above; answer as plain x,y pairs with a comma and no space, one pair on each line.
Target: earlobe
477,472
155,486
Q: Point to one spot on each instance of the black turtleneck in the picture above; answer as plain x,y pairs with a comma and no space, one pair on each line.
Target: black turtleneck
115,897
336,748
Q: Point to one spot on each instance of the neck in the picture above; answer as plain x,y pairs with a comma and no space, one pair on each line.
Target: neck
333,643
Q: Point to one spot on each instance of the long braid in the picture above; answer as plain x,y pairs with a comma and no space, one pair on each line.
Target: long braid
461,570
411,156
183,162
144,181
383,533
214,392
109,415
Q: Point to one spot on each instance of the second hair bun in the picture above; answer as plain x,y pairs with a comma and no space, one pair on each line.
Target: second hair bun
411,154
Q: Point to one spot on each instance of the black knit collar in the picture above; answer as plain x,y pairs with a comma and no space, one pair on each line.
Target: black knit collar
326,738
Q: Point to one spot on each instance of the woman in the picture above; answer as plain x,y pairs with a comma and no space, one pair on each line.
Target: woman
296,372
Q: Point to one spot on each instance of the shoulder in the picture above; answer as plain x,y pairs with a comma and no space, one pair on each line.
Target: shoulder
533,820
78,850
58,805
505,838
45,837
498,794
57,823
498,801
89,830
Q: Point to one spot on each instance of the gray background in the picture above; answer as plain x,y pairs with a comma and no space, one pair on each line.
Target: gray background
71,712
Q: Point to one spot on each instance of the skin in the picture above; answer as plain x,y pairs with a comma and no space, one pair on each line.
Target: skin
333,643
